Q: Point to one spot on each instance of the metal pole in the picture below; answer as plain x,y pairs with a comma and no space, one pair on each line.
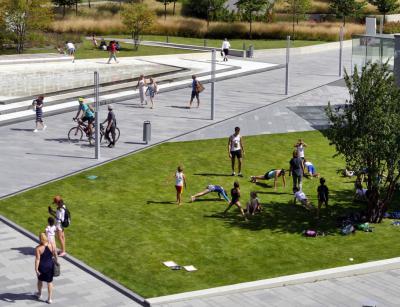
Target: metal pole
205,42
213,64
341,36
381,25
97,121
287,65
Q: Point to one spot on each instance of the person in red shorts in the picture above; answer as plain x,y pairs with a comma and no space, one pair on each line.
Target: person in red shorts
180,181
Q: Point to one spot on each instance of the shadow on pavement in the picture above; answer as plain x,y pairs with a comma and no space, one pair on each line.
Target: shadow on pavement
60,156
28,250
20,129
13,297
61,140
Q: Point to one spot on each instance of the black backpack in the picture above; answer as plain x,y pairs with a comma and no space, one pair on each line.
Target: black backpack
67,218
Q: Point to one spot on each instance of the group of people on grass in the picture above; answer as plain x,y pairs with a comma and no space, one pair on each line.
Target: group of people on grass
299,167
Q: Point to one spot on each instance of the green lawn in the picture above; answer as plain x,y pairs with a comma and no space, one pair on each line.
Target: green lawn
125,223
235,43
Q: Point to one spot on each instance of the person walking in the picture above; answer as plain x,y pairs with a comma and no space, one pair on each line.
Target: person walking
152,90
112,49
297,171
142,92
197,88
225,49
44,263
59,214
38,107
71,49
236,150
111,125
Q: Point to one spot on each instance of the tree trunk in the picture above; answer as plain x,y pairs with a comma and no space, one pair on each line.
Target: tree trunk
63,10
89,4
251,30
173,11
165,10
76,7
344,20
293,23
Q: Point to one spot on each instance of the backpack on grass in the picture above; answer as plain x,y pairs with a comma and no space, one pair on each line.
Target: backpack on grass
347,229
67,218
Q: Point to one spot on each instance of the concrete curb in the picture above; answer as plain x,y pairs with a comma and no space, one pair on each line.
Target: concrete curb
309,277
81,265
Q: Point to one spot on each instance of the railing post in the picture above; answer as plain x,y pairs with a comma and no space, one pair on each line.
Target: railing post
213,68
341,37
287,65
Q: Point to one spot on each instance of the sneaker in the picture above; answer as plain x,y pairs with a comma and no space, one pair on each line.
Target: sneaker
49,301
44,127
192,198
38,295
35,130
252,179
233,174
240,175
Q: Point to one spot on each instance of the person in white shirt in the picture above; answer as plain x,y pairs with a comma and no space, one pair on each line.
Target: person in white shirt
300,145
302,198
225,49
236,149
70,50
51,231
311,171
141,86
180,181
59,214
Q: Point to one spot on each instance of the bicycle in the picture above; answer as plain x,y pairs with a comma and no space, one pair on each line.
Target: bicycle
103,133
75,134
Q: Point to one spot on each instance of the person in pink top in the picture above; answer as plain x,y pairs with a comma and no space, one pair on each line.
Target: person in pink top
112,49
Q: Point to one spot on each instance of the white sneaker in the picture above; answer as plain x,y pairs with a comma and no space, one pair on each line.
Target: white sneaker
44,127
35,130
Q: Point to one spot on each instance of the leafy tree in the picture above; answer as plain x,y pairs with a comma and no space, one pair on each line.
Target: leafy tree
137,18
366,132
205,9
166,2
64,4
297,8
345,8
385,6
21,17
250,8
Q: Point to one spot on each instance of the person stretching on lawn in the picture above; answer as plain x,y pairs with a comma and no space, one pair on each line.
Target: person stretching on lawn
235,195
180,181
302,198
211,188
311,171
275,173
253,206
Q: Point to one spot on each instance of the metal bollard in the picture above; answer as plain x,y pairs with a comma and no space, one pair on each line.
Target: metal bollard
244,46
205,42
167,39
146,132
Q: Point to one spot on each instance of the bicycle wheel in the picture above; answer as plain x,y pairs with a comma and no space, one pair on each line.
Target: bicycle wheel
117,134
75,134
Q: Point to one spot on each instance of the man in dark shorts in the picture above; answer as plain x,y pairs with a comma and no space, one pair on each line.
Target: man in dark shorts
296,170
86,113
111,125
236,150
195,92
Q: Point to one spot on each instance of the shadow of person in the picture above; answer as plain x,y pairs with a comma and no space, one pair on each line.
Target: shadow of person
29,251
13,297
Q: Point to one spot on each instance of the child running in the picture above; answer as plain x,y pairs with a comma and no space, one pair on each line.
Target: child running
211,188
274,173
253,206
180,181
51,231
235,195
323,195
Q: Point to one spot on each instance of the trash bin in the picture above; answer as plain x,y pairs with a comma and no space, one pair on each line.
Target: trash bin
250,52
146,131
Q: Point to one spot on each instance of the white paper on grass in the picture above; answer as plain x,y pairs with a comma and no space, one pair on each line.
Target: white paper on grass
170,264
190,268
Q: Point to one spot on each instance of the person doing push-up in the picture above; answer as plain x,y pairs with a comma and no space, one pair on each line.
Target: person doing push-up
274,173
212,188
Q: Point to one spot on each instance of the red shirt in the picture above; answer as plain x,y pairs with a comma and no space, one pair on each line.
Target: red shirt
113,47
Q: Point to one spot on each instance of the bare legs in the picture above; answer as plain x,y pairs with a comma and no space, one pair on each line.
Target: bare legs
61,237
237,204
193,198
239,165
49,290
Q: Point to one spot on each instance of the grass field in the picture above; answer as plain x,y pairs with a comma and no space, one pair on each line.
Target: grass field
125,223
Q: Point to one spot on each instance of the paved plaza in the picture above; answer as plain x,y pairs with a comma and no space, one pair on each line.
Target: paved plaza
256,103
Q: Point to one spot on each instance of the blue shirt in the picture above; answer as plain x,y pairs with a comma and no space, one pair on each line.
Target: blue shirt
86,110
194,83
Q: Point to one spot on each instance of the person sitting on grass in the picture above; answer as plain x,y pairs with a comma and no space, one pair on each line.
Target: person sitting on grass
275,173
302,198
235,195
212,188
253,206
311,171
361,193
323,195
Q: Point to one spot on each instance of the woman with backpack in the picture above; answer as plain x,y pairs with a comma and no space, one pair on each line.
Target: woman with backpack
60,216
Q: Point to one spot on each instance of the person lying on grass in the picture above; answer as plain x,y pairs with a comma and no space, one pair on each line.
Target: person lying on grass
212,188
235,195
253,205
311,171
274,173
302,198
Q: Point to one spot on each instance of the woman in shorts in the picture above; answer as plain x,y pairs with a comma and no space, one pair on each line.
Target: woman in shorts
274,173
235,196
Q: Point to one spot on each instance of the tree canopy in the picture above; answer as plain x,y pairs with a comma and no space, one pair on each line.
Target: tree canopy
366,133
251,7
385,6
346,8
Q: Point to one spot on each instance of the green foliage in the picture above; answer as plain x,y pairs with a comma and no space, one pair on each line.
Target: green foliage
298,9
21,17
366,132
212,9
249,8
165,2
137,18
346,8
385,6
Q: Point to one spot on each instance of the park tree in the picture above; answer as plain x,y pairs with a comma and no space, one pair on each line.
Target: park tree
385,6
64,4
22,17
137,18
297,8
250,8
165,3
205,9
347,8
365,131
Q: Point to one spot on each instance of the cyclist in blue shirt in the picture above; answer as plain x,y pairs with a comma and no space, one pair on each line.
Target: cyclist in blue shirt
85,113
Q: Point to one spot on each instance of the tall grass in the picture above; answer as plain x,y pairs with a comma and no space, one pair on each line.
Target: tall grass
191,27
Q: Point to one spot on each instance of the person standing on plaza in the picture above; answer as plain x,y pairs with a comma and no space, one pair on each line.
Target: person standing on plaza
225,49
296,170
142,92
236,150
152,90
197,88
44,263
300,145
38,107
112,49
111,125
180,182
59,214
71,50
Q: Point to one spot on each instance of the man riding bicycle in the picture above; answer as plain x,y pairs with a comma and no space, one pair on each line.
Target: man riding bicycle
85,113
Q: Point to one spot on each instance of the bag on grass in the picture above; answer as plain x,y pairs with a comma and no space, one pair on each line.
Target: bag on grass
348,229
67,218
310,233
364,227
